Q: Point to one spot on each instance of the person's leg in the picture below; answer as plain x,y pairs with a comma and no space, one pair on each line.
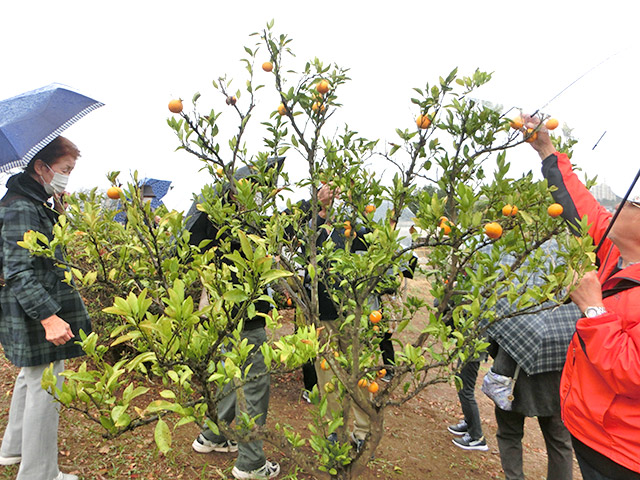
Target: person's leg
256,392
588,472
12,439
388,354
325,376
509,436
361,423
467,397
40,427
559,449
309,376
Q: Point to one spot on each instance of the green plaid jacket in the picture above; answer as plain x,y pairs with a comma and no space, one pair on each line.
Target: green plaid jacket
33,288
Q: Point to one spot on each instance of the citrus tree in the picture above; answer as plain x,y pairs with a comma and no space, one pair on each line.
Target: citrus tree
478,233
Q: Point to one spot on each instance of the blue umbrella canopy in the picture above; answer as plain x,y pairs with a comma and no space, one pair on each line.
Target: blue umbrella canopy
31,120
159,188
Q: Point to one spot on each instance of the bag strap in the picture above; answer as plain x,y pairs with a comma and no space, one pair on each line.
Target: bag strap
515,378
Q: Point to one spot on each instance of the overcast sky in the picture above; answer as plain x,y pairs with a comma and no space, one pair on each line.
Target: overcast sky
137,55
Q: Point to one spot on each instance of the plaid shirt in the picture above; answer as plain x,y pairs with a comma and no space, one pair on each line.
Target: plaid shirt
537,341
34,288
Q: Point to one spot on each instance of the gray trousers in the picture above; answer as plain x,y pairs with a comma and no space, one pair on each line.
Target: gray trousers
467,396
250,455
32,431
556,438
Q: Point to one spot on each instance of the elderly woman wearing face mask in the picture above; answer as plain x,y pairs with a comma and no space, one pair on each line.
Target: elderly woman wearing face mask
41,316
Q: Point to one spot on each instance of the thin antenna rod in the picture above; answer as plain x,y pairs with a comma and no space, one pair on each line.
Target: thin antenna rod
574,82
594,147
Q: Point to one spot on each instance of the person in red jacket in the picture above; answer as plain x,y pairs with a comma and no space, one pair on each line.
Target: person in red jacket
600,386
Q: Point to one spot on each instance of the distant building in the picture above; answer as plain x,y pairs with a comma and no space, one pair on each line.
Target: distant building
605,196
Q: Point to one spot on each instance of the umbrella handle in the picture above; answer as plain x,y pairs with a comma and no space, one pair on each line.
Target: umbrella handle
615,215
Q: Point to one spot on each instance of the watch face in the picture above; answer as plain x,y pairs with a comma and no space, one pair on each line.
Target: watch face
591,312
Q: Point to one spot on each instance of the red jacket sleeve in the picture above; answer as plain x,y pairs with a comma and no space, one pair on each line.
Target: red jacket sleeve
574,197
613,348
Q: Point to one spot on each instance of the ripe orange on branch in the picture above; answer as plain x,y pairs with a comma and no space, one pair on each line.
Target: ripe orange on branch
493,230
423,121
318,107
552,124
363,383
282,110
175,106
113,193
324,365
323,86
509,210
517,123
267,66
530,135
374,387
369,209
375,316
445,225
555,210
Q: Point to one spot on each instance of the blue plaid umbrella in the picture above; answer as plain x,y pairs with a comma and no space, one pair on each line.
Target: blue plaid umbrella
159,187
537,341
31,120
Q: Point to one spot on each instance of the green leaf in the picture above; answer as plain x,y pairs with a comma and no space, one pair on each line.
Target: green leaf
162,436
236,295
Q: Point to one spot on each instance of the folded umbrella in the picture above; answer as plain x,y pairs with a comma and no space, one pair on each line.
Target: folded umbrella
537,341
31,120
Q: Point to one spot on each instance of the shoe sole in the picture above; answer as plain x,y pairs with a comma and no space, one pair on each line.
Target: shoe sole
10,460
200,448
456,432
481,448
240,475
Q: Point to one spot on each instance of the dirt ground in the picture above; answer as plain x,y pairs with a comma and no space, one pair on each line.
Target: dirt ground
417,444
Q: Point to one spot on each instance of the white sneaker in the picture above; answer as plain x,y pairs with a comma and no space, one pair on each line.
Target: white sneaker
10,460
202,445
268,470
66,476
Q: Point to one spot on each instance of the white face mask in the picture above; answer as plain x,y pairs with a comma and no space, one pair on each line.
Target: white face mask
58,182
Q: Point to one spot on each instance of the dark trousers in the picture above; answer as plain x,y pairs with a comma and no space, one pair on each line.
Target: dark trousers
388,355
556,438
467,396
588,472
309,376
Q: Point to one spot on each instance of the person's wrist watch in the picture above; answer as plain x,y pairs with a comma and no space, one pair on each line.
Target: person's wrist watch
591,312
